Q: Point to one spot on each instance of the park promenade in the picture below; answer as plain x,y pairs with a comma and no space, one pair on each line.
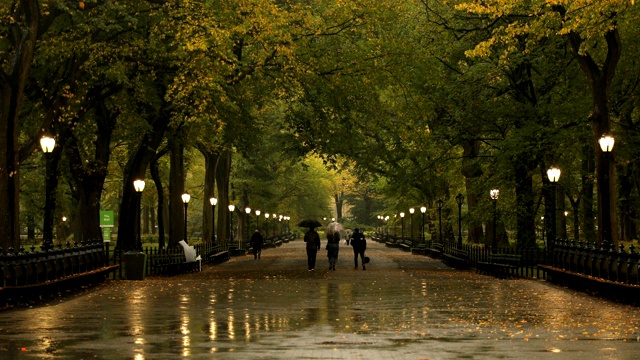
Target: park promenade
403,306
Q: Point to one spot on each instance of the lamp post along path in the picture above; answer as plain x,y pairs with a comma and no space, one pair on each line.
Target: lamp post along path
138,186
185,200
213,201
423,210
606,143
554,176
494,193
48,144
459,200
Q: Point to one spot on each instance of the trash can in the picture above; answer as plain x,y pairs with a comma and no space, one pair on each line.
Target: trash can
135,265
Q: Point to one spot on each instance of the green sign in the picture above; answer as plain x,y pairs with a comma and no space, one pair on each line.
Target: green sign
106,234
106,218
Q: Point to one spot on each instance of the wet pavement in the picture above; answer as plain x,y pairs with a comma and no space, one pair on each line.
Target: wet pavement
402,307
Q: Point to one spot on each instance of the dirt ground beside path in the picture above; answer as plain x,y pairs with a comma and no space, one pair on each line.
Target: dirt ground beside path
402,307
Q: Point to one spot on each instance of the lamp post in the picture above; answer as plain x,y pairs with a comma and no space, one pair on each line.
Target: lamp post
565,234
213,202
606,143
544,229
257,219
266,224
247,211
232,208
440,204
411,211
554,175
274,216
423,210
138,185
494,193
459,200
48,143
64,228
185,199
402,221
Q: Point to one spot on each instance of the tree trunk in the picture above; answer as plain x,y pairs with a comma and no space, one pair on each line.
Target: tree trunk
627,214
586,201
89,176
223,175
525,215
135,169
211,159
472,170
339,199
177,225
155,175
20,50
600,79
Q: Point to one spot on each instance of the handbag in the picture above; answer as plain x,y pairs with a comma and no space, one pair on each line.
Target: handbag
366,259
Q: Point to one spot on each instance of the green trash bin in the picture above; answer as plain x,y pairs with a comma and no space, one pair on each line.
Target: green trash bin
135,265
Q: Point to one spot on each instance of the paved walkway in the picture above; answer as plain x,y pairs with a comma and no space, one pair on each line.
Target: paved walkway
402,307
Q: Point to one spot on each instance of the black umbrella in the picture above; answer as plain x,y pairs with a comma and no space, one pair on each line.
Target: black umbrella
311,224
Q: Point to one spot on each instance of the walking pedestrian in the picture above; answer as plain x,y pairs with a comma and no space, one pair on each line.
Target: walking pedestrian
359,244
256,244
312,239
333,248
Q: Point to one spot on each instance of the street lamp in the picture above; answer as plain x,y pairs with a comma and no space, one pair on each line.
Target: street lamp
185,199
423,209
214,202
138,185
554,175
64,228
232,208
266,224
411,211
247,211
274,216
257,219
440,204
48,143
494,193
606,143
402,220
459,200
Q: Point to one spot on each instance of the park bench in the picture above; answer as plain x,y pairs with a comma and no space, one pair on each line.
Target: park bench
435,250
217,255
502,265
176,262
20,293
419,249
391,241
457,258
405,244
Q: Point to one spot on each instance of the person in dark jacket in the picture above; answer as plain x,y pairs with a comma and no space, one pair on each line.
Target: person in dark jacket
359,244
312,239
333,248
256,243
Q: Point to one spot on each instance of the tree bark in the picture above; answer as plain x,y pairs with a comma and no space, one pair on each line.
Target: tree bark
600,79
176,189
472,170
211,159
155,175
135,169
12,83
223,175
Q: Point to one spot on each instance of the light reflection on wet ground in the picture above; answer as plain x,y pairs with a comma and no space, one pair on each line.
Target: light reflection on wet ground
402,307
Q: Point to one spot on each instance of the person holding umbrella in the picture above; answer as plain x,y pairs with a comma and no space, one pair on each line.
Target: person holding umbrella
312,239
